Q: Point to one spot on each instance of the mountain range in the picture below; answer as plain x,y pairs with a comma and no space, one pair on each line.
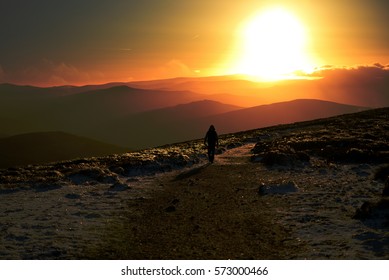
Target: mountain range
138,115
191,121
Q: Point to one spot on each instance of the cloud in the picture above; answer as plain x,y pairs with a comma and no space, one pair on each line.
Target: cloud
379,65
174,68
50,73
47,73
360,72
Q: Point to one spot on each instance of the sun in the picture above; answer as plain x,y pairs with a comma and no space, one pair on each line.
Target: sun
273,45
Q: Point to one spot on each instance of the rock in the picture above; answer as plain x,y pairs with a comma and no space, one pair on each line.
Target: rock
284,157
283,188
259,148
279,158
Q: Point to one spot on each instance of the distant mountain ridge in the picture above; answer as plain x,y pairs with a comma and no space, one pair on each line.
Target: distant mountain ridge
163,126
360,87
363,86
33,110
152,113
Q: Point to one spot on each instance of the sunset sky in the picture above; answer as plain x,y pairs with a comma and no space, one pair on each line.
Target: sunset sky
56,42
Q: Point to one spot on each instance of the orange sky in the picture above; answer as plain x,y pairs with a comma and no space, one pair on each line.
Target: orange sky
49,42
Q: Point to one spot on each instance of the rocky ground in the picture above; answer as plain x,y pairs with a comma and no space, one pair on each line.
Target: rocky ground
310,190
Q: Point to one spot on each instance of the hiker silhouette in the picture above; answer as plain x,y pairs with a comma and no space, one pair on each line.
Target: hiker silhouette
211,141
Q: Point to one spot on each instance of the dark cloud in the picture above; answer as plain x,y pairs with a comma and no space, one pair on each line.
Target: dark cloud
354,75
50,73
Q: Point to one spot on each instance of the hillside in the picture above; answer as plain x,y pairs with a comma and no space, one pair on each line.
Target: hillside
121,100
279,113
28,108
45,147
163,126
308,190
140,118
176,124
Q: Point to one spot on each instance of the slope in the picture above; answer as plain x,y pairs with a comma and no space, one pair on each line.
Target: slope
278,113
34,109
236,208
44,147
162,126
190,121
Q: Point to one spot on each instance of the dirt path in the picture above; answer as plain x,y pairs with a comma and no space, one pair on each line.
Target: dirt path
216,211
212,211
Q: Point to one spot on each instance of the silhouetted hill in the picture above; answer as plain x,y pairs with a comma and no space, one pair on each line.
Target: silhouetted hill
143,114
113,98
232,89
56,91
176,124
162,126
44,147
190,110
364,86
120,100
30,111
16,91
279,113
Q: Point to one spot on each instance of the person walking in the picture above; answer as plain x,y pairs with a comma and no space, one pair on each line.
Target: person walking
211,141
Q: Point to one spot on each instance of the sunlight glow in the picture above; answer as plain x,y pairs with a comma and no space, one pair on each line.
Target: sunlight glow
274,45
